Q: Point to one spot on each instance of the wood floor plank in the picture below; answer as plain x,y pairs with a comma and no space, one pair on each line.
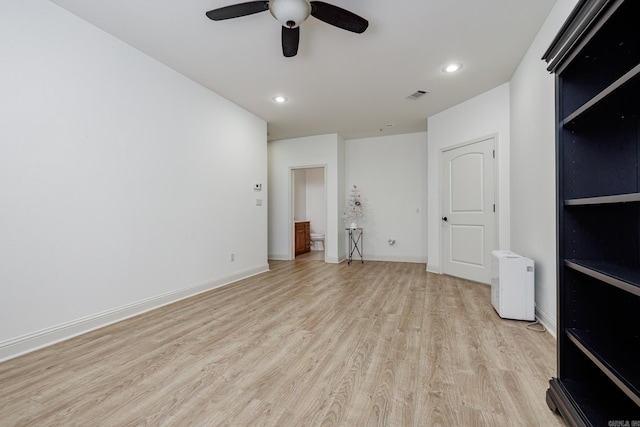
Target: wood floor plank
305,344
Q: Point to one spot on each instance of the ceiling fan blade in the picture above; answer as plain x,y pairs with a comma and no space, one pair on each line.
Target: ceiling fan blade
338,17
290,41
238,10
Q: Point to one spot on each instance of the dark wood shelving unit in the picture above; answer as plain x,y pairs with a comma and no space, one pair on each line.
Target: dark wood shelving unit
596,60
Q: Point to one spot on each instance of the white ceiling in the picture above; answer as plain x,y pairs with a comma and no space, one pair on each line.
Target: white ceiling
340,82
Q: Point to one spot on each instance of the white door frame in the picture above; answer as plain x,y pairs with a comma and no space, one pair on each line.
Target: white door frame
496,192
291,222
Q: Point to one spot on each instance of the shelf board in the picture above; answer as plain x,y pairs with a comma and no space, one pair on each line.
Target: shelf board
602,200
635,71
617,359
591,406
619,275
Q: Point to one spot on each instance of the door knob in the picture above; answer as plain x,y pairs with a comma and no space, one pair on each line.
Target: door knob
444,218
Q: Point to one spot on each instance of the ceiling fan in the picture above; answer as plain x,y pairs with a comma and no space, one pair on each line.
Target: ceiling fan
292,13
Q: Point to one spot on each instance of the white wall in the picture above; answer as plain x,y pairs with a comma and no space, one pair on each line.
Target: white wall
285,155
342,199
390,172
123,184
484,115
300,195
533,184
315,200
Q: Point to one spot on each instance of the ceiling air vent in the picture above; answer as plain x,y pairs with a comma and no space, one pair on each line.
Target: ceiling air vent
417,94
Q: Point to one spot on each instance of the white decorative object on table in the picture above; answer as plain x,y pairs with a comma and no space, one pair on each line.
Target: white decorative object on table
354,211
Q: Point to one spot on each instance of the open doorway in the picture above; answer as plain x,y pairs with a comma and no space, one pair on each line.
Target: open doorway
309,213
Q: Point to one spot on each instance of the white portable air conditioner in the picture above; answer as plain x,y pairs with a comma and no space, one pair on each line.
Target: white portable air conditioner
512,285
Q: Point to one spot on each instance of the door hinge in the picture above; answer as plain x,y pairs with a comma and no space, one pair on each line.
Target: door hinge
494,154
494,208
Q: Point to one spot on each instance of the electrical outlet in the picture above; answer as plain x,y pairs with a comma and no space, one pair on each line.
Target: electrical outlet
233,257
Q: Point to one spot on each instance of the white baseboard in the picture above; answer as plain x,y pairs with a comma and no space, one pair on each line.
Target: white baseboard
27,343
394,258
547,321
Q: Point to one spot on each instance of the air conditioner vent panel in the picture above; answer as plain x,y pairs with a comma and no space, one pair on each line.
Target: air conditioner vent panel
417,94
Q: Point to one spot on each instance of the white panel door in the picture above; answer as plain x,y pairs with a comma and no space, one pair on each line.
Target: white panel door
468,217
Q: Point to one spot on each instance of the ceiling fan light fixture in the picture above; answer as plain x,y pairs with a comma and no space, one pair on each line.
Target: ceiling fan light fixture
290,13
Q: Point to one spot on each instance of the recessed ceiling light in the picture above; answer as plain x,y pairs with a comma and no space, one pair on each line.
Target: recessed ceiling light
280,99
452,68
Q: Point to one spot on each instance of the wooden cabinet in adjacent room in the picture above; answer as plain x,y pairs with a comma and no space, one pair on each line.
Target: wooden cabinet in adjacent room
303,237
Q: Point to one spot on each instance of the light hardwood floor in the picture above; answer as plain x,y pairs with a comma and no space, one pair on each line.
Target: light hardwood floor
307,343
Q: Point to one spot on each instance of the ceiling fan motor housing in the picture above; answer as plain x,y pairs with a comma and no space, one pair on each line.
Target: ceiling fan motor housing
290,13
